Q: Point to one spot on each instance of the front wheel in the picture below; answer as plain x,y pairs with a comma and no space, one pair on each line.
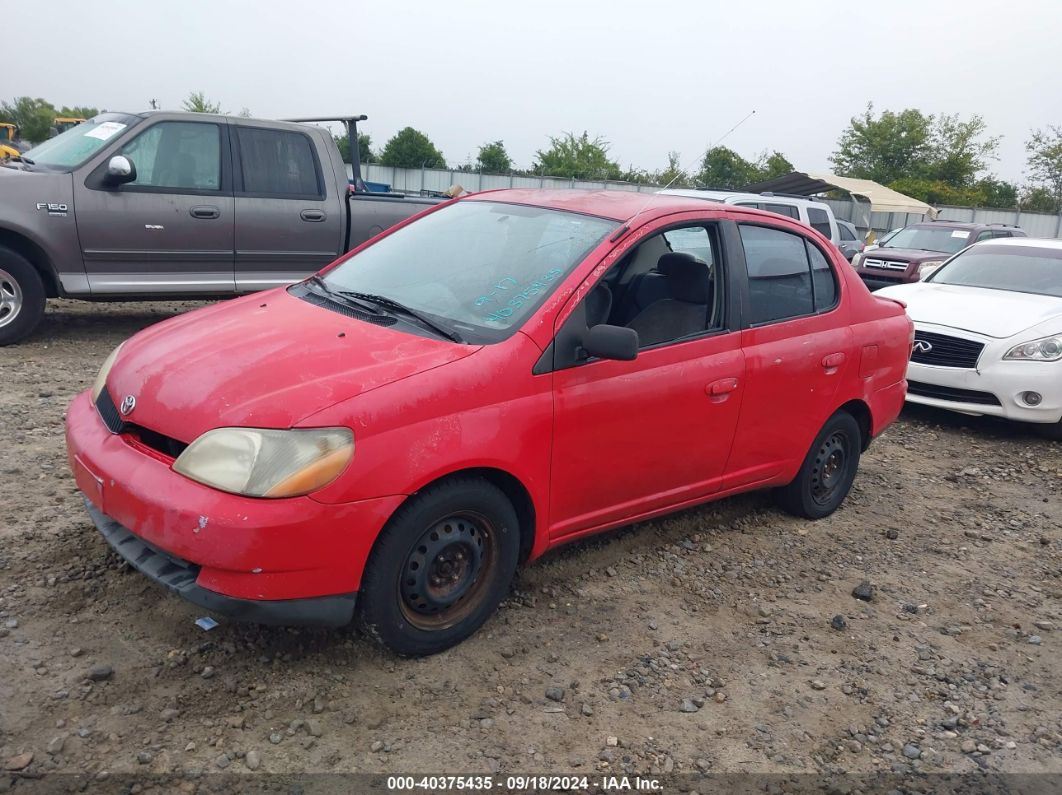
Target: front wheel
828,470
22,297
440,567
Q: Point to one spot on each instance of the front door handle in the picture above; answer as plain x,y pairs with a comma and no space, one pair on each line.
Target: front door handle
832,362
312,215
720,390
205,211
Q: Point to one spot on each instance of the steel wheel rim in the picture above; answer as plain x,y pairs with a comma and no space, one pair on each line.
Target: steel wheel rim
10,298
447,570
831,467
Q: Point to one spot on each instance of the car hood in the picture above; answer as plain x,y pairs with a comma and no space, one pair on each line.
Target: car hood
266,360
906,254
994,313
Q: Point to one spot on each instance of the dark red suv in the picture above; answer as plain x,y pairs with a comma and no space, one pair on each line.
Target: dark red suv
917,250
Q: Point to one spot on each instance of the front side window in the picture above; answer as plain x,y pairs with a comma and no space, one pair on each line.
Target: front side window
788,276
481,268
177,155
278,162
845,232
819,220
1020,269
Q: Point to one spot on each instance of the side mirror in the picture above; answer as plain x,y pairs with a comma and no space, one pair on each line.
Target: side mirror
611,342
120,169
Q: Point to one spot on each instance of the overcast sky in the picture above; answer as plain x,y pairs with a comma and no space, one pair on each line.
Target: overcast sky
649,76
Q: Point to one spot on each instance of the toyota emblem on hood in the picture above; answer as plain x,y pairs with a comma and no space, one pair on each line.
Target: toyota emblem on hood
128,404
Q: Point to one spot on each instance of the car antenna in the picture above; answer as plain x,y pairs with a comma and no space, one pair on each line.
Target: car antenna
626,227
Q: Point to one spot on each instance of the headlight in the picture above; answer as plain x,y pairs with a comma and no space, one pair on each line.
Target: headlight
1047,349
858,258
267,463
927,268
105,370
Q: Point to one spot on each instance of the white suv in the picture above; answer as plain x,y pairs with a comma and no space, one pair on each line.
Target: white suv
815,214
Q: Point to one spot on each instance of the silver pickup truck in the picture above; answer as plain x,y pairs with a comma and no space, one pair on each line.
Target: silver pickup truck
167,205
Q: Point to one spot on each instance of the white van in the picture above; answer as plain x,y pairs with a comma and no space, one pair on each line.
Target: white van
815,214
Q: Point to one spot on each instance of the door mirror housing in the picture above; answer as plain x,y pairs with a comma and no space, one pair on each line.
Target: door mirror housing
611,342
120,169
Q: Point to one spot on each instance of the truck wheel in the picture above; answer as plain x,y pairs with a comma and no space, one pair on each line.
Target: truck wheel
828,470
21,297
440,567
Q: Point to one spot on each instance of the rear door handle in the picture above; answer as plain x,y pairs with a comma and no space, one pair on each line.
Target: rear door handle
720,390
312,215
832,362
205,211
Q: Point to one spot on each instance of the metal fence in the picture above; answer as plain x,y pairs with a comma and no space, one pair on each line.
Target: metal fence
414,180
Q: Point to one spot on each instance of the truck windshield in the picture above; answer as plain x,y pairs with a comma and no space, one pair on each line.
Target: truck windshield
78,144
929,238
479,268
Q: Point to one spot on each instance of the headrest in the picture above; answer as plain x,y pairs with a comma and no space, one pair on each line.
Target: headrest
688,278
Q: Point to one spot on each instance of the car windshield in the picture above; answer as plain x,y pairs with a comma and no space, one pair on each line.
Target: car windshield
929,238
479,268
79,143
1024,269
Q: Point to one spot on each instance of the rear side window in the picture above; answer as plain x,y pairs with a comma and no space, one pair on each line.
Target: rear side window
788,277
819,220
783,209
278,162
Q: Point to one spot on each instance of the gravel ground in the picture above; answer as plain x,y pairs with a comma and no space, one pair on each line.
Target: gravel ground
916,630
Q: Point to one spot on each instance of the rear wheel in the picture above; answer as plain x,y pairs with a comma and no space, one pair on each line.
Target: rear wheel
21,297
828,470
440,567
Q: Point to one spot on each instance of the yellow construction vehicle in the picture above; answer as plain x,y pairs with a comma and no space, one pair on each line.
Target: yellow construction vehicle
64,123
10,146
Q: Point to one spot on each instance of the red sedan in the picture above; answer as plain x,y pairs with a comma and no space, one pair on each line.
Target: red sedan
504,373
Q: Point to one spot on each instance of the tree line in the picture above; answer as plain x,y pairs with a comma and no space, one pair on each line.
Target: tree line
940,159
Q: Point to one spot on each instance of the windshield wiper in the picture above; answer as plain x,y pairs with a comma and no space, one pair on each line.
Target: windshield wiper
344,297
397,306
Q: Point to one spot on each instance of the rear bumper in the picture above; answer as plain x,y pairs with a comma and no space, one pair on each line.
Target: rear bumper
180,576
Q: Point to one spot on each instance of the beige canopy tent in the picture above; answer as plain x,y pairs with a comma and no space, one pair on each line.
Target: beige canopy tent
881,199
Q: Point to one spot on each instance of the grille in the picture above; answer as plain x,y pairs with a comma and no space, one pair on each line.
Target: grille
109,412
953,394
885,264
946,351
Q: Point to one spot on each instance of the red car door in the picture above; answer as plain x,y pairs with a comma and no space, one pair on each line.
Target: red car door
632,437
797,347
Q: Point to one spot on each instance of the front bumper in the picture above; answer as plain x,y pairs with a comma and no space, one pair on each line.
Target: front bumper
1006,382
179,576
240,549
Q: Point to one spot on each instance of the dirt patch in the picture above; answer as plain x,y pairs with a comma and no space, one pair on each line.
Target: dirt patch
722,639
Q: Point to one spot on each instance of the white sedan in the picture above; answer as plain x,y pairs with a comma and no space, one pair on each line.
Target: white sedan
988,332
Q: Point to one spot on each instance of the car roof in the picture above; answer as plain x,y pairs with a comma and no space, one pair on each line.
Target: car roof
723,195
617,205
946,224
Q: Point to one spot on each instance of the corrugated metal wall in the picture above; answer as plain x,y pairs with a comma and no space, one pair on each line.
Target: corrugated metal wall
413,180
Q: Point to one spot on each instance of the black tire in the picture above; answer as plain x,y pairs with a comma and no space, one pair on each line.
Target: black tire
1052,431
21,297
440,567
828,470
